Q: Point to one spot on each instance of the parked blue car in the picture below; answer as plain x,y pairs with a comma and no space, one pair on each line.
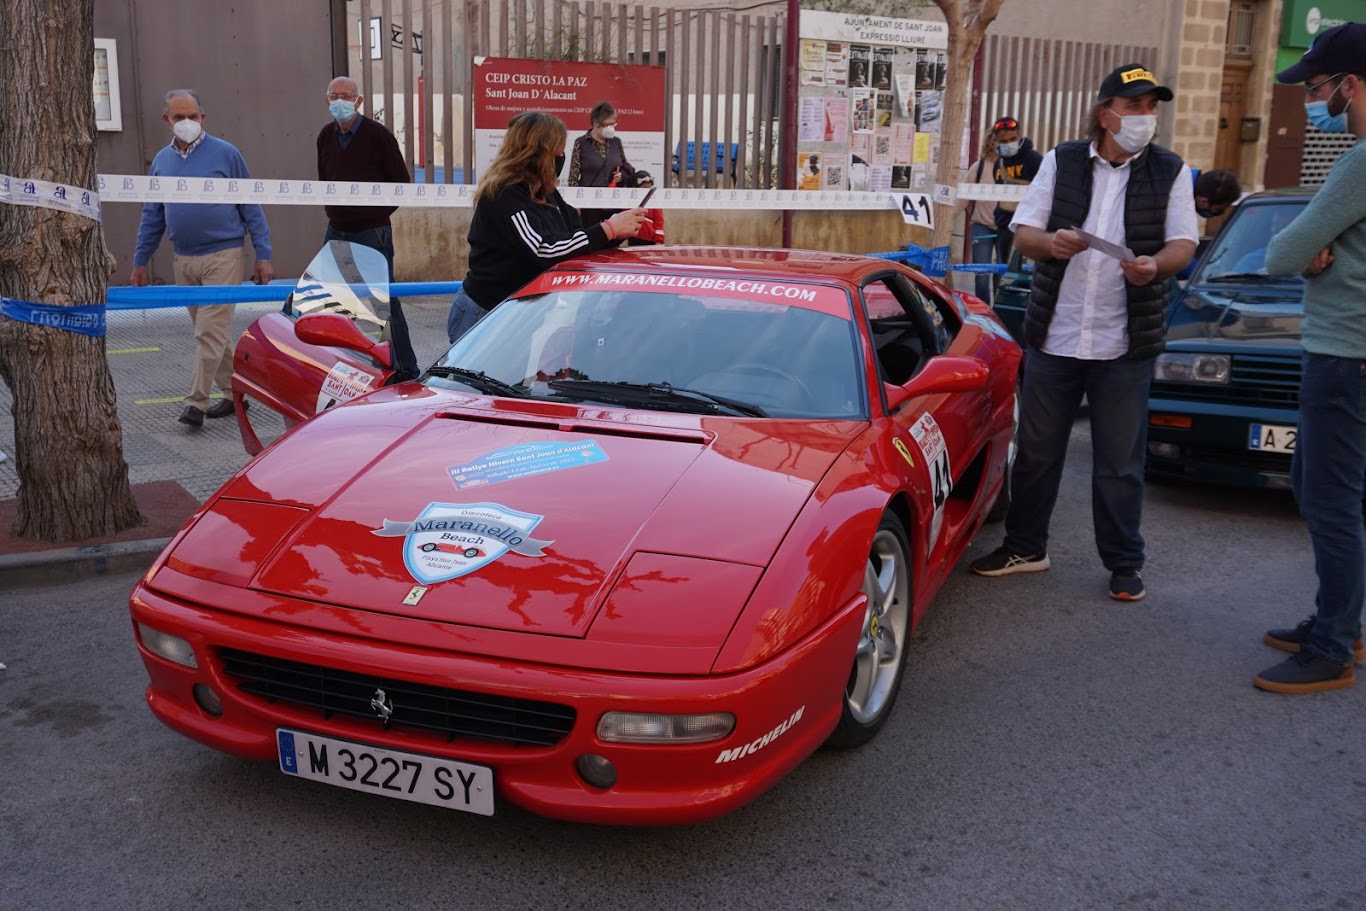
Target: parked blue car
1225,395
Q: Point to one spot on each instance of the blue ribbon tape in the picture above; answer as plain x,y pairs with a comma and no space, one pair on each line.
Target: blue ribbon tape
155,297
87,319
984,268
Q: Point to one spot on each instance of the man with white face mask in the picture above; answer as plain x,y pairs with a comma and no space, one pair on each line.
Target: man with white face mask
207,240
352,147
599,159
1095,322
1327,244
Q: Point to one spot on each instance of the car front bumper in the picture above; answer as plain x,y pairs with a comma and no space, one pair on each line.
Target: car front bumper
1214,447
656,784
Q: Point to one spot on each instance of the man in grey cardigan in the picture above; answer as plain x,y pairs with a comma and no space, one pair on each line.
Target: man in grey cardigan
1327,244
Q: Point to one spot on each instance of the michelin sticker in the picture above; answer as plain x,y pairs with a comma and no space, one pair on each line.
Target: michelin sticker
343,383
449,540
525,460
930,439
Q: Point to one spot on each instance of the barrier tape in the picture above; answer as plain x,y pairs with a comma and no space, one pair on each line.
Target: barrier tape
46,195
160,297
138,188
189,190
87,319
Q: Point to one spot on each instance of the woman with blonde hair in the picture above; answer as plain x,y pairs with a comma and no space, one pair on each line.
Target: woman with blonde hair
521,224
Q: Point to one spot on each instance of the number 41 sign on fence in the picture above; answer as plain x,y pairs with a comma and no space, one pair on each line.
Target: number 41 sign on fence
916,209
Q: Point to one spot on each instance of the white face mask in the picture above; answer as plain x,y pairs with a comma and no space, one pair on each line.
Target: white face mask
608,132
1135,132
187,131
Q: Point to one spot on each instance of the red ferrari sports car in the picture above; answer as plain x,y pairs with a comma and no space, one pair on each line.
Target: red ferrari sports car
655,530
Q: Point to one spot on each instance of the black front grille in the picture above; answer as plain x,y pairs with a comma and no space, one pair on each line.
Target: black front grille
1256,379
454,713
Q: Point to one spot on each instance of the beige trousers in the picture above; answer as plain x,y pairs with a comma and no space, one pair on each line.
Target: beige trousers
212,324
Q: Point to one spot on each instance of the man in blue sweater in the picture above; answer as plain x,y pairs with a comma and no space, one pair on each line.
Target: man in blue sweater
1327,244
207,239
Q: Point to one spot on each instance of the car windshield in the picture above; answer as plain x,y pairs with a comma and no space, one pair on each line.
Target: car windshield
1238,254
663,351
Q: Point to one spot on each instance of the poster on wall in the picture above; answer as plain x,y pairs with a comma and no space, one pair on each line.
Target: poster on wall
870,99
504,87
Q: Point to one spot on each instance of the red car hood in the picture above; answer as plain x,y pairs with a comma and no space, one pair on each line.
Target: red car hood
526,521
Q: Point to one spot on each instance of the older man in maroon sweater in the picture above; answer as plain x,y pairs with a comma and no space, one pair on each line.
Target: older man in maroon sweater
355,148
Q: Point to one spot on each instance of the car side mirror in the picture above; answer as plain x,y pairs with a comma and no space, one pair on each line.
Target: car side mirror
941,375
337,331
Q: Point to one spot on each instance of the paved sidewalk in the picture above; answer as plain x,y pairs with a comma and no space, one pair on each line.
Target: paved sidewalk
173,467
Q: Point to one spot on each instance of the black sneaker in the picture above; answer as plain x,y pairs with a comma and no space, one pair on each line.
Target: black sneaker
1290,640
1127,585
1305,672
1001,562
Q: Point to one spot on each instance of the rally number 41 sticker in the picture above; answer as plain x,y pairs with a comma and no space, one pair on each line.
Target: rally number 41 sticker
930,439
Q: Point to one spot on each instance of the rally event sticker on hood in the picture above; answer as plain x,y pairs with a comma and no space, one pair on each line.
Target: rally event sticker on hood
449,540
525,460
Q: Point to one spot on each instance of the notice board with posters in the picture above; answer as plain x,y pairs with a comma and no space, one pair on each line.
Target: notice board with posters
504,87
869,102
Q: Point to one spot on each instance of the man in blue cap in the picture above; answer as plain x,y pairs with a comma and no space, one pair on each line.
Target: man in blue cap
1327,244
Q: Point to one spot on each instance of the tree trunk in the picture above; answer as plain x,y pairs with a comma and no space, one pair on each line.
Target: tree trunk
967,21
73,481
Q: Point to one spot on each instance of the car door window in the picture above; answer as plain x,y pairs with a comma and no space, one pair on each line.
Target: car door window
901,327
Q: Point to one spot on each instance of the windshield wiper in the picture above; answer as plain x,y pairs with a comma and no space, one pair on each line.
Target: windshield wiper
657,394
478,379
1251,277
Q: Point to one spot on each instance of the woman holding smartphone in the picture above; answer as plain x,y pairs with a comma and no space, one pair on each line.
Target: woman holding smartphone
521,224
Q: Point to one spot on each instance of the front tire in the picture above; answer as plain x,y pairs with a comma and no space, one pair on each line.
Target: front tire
880,657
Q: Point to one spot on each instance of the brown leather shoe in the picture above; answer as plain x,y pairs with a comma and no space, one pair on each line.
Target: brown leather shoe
192,416
221,409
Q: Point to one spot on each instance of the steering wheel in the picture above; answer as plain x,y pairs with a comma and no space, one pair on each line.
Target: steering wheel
753,367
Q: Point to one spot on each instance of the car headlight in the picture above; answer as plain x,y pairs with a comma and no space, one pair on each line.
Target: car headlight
636,727
172,648
1180,367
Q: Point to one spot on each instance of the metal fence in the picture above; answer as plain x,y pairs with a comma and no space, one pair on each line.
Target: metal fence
723,74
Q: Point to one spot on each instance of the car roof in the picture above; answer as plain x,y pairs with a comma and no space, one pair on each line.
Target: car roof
759,261
1281,194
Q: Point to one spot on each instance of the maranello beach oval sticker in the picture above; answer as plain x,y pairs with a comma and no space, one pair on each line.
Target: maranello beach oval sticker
449,540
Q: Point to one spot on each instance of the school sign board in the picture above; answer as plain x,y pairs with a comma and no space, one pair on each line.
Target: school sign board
504,87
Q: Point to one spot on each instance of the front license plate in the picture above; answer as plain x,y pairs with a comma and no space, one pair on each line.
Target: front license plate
1271,438
390,773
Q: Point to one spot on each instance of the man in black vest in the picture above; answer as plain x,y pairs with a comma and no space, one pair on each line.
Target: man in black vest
1095,322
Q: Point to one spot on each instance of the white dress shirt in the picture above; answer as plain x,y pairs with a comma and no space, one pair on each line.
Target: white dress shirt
1091,320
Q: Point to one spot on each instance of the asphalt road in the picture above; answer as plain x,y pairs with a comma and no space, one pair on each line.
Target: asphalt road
1052,749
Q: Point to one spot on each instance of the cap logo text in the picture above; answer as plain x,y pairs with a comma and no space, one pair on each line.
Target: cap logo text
1135,75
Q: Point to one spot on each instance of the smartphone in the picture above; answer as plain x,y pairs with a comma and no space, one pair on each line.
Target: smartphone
648,193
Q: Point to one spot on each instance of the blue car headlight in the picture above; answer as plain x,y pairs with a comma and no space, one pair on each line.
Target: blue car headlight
1182,367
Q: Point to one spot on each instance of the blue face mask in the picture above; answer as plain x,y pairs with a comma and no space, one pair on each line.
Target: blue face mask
342,110
1320,119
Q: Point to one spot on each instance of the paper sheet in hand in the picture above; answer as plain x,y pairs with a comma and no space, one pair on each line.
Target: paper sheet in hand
1101,245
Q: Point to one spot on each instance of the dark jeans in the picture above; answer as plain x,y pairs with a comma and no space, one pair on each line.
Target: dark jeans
1329,476
465,313
1117,392
382,239
983,251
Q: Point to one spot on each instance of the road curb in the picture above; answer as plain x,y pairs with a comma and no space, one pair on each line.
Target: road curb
68,563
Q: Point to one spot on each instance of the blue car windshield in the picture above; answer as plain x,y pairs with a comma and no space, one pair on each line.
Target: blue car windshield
1239,252
786,361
